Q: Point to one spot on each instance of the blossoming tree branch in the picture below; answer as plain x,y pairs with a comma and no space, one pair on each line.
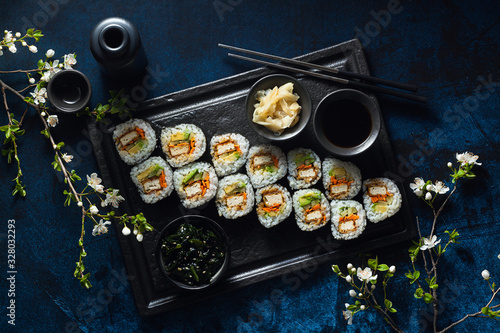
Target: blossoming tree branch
34,95
429,249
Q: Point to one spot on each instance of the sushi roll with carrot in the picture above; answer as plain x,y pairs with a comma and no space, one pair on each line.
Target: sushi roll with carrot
235,196
182,144
196,184
153,179
135,140
381,198
266,165
342,180
229,152
348,219
312,210
274,204
304,168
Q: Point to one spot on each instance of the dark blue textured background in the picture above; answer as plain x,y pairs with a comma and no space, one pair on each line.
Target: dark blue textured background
446,48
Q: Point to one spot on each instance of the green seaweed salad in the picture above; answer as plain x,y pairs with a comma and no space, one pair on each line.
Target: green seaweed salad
192,255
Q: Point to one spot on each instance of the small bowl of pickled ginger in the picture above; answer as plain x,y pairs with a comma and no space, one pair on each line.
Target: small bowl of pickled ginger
278,107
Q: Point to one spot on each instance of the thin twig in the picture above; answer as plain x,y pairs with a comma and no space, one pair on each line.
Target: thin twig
20,71
441,208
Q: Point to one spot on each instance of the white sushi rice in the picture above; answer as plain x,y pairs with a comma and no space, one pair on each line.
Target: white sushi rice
300,212
158,195
352,189
222,198
286,208
225,167
293,180
262,177
181,160
145,151
180,173
392,208
360,223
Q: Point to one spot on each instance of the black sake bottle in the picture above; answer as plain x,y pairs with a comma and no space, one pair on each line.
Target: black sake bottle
116,45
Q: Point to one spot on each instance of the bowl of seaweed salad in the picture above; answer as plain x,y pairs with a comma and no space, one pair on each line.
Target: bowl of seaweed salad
193,252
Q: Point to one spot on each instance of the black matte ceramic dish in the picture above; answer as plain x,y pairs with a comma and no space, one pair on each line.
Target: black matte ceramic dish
269,82
199,222
334,107
69,91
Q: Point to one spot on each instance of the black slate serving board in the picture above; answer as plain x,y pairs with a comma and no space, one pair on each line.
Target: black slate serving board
257,253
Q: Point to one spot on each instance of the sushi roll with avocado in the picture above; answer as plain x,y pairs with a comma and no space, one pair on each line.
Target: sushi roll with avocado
235,196
182,144
135,140
348,219
274,204
229,152
381,198
153,179
196,184
312,210
342,180
304,168
266,165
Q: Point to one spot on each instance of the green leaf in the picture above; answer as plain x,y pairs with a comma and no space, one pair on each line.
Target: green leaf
428,298
382,267
485,310
336,269
419,293
387,303
373,263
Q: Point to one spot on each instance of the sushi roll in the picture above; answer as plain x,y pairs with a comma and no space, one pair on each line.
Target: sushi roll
381,198
235,197
229,152
182,144
135,140
266,164
274,205
342,180
348,219
304,168
196,184
153,179
312,210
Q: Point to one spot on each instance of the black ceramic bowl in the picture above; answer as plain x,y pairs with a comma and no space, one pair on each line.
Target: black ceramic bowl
69,91
269,82
347,122
199,222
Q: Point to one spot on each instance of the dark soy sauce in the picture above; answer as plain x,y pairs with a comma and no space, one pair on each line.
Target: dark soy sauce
346,123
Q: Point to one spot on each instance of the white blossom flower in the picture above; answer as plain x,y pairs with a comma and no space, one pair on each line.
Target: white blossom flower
94,210
417,186
125,231
348,279
33,49
8,36
467,158
69,60
139,237
12,48
428,196
18,34
46,76
32,80
52,120
366,274
347,314
440,187
429,243
392,269
51,70
67,158
39,95
352,293
94,181
113,199
50,53
100,228
485,274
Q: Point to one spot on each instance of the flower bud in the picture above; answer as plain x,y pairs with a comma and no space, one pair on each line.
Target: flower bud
373,286
362,307
349,266
32,80
485,274
348,279
33,49
23,43
428,196
360,295
419,193
392,269
352,293
79,204
136,231
18,34
353,270
450,165
43,114
429,187
125,231
139,237
50,53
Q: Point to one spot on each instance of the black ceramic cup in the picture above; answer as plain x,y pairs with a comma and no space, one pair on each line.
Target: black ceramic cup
69,91
347,122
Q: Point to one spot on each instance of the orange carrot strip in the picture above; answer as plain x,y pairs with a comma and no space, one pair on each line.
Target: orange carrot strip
140,131
163,183
275,161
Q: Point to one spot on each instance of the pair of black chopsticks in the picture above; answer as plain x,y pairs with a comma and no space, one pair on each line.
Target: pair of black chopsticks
342,77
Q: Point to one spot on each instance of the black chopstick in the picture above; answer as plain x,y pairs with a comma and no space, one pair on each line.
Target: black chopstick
347,82
336,71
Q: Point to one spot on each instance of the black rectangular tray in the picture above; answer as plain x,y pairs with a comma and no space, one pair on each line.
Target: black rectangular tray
257,253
